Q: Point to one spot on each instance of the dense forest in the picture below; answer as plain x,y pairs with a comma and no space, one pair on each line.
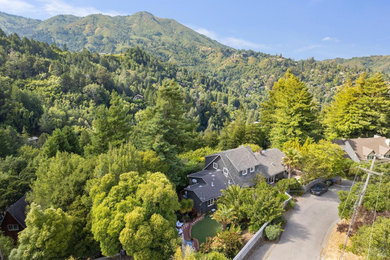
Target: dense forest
118,133
248,74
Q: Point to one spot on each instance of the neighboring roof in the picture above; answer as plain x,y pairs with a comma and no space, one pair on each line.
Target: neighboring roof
358,148
270,162
215,182
18,211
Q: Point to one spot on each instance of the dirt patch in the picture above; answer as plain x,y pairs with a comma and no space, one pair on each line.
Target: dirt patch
246,236
332,249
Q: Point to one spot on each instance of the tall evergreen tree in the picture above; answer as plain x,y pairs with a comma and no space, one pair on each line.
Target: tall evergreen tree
111,126
164,128
359,111
289,111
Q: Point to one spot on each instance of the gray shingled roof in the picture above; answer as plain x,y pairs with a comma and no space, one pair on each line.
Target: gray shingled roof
270,162
241,158
215,182
18,211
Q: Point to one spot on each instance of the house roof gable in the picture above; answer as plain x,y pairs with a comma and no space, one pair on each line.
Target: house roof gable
18,211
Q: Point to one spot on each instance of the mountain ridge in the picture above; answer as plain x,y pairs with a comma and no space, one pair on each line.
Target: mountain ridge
166,39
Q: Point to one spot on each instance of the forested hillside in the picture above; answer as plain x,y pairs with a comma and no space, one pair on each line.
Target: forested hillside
245,72
380,63
117,134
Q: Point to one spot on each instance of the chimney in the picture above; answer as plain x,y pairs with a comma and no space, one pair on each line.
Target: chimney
387,142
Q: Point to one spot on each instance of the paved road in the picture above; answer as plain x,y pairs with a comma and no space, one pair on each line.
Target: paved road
307,230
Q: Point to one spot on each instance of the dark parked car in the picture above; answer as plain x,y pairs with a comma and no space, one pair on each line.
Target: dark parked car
318,189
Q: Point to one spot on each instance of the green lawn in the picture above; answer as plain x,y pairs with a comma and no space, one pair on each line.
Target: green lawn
207,227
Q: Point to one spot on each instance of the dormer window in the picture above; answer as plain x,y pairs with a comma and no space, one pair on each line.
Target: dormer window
387,155
225,171
215,165
252,169
245,172
371,156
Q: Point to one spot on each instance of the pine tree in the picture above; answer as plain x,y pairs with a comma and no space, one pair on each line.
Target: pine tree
290,111
359,111
111,126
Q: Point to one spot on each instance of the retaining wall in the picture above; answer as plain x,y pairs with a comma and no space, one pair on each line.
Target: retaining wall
255,240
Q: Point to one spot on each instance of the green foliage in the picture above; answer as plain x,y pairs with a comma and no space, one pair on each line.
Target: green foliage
48,235
69,172
378,238
10,141
214,255
224,215
263,204
186,205
346,204
227,242
289,111
126,158
360,110
64,140
194,160
6,245
250,206
136,213
111,126
16,175
292,186
316,160
272,231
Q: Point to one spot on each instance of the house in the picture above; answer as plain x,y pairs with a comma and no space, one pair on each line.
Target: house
232,167
363,149
14,219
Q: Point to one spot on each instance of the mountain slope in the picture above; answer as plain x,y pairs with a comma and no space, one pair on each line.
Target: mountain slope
378,63
164,38
246,72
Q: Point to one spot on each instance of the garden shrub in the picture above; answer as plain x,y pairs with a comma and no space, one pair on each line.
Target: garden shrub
272,232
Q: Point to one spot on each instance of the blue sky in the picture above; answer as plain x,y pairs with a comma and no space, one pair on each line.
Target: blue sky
297,29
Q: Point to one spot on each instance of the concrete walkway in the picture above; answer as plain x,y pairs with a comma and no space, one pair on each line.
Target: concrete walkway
308,228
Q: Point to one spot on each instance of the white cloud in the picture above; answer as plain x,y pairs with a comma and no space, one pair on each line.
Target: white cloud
330,39
230,41
55,7
15,6
207,33
308,48
242,44
48,8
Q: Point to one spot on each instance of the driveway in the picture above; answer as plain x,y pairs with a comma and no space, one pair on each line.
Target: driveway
307,230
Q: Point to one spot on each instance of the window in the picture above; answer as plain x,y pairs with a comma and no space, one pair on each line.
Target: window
194,181
252,169
387,155
225,171
370,156
210,202
215,165
245,172
13,227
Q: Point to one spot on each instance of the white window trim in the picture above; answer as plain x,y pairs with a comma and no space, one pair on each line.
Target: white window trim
225,171
245,172
210,202
13,227
215,165
252,169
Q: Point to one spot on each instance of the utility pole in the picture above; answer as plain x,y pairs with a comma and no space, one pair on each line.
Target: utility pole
366,183
357,206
